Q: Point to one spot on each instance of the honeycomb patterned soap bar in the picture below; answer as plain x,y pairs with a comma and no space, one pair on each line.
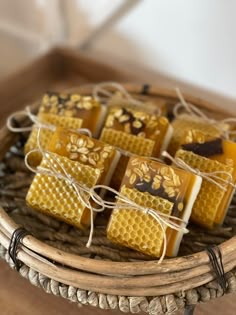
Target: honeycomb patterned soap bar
211,199
86,108
135,229
185,123
127,142
217,149
132,125
46,134
86,150
158,186
56,196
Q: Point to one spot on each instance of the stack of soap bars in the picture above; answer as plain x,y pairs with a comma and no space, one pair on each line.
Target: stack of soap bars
125,153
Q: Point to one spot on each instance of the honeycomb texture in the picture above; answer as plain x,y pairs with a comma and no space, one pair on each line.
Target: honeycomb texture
56,197
127,142
210,196
46,134
185,123
135,229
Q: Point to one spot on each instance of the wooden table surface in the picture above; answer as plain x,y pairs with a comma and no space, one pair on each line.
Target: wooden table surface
19,297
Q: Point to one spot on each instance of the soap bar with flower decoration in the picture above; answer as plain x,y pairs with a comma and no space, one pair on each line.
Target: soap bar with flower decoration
54,190
85,150
217,149
162,188
185,122
136,132
142,102
71,111
217,188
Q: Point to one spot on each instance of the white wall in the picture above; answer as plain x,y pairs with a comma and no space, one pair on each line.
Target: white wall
191,40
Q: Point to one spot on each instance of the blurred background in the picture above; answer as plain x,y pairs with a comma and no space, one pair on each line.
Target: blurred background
191,41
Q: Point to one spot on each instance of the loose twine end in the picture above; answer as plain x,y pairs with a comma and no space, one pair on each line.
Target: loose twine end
212,177
104,89
197,113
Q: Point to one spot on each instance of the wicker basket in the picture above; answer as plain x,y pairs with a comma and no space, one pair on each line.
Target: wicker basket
106,276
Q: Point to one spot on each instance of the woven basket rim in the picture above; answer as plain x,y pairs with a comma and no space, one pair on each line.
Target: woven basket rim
174,274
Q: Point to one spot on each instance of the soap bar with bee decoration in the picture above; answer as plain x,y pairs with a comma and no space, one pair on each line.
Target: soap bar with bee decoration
156,186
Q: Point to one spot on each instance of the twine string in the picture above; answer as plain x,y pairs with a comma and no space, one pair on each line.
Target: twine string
197,113
36,123
162,219
81,190
27,113
103,89
211,177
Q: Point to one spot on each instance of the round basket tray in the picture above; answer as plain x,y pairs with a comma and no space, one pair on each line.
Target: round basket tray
53,255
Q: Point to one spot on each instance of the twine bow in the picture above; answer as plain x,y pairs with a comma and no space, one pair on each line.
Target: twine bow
212,177
195,112
82,191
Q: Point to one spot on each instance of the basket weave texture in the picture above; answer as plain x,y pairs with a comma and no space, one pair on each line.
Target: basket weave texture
55,258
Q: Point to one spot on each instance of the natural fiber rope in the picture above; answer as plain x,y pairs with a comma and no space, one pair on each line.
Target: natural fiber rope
156,305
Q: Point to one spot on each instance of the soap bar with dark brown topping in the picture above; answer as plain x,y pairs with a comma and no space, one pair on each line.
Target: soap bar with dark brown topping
223,151
86,108
134,122
185,123
212,202
206,149
71,111
136,132
153,185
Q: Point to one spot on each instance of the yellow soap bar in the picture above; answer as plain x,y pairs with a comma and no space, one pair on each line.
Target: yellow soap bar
86,108
57,197
46,133
211,199
160,187
86,150
131,125
186,122
128,142
136,132
135,229
217,149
